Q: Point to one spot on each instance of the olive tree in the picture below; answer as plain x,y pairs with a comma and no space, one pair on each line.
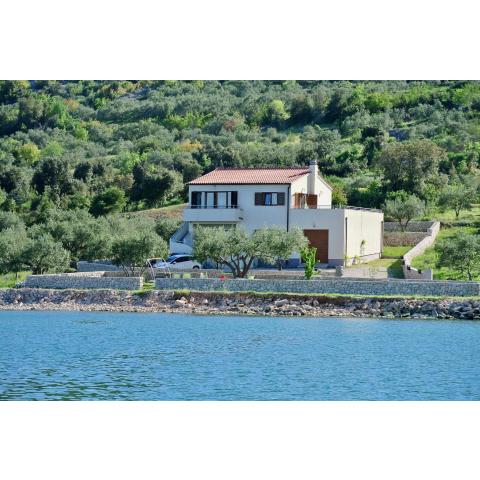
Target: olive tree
44,255
461,253
10,220
403,208
85,237
132,250
166,227
457,197
237,250
12,244
282,242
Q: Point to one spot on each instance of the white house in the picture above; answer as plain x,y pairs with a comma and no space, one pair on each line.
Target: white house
285,197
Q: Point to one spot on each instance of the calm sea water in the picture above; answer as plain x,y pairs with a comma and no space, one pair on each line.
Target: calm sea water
123,356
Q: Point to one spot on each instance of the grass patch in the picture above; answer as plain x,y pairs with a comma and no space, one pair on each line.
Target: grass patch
172,211
395,252
9,280
472,215
429,258
468,222
147,287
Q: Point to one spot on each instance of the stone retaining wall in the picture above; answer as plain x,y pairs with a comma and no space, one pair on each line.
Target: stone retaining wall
412,226
325,286
398,239
417,231
83,280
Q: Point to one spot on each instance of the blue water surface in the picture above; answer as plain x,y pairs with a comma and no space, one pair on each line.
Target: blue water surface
135,356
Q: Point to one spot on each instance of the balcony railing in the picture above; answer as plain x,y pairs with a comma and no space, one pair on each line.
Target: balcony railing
213,206
336,207
212,214
350,207
312,207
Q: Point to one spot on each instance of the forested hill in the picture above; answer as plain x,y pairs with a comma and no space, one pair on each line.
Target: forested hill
108,146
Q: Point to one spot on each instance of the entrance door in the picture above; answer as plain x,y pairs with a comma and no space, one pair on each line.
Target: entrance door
319,239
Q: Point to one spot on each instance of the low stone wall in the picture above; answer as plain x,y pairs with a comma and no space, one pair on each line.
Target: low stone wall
84,280
111,270
411,273
288,274
428,241
363,272
324,286
193,272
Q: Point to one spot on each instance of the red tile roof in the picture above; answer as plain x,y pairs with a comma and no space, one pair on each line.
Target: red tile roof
247,176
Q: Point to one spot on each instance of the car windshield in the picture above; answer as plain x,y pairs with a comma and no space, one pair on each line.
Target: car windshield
171,258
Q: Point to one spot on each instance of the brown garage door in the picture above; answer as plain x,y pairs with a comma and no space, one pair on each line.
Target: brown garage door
319,239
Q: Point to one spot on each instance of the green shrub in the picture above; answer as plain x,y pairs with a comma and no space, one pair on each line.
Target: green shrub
309,256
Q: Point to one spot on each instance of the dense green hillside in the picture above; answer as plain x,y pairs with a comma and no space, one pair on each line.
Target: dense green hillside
73,151
131,145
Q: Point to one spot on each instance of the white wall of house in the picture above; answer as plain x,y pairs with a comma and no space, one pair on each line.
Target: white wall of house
251,216
364,234
258,216
344,237
323,219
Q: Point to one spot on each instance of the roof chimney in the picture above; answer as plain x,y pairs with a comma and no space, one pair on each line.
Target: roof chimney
312,177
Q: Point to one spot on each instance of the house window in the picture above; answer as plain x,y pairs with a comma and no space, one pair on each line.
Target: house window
210,199
233,198
222,199
214,200
196,199
302,200
269,198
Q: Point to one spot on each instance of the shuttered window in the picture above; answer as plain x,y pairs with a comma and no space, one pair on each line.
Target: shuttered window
196,199
269,198
233,199
225,199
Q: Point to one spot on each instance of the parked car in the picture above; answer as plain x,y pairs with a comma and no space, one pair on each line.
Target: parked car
181,261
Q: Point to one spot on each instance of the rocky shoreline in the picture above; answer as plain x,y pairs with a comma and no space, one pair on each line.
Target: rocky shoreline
213,303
